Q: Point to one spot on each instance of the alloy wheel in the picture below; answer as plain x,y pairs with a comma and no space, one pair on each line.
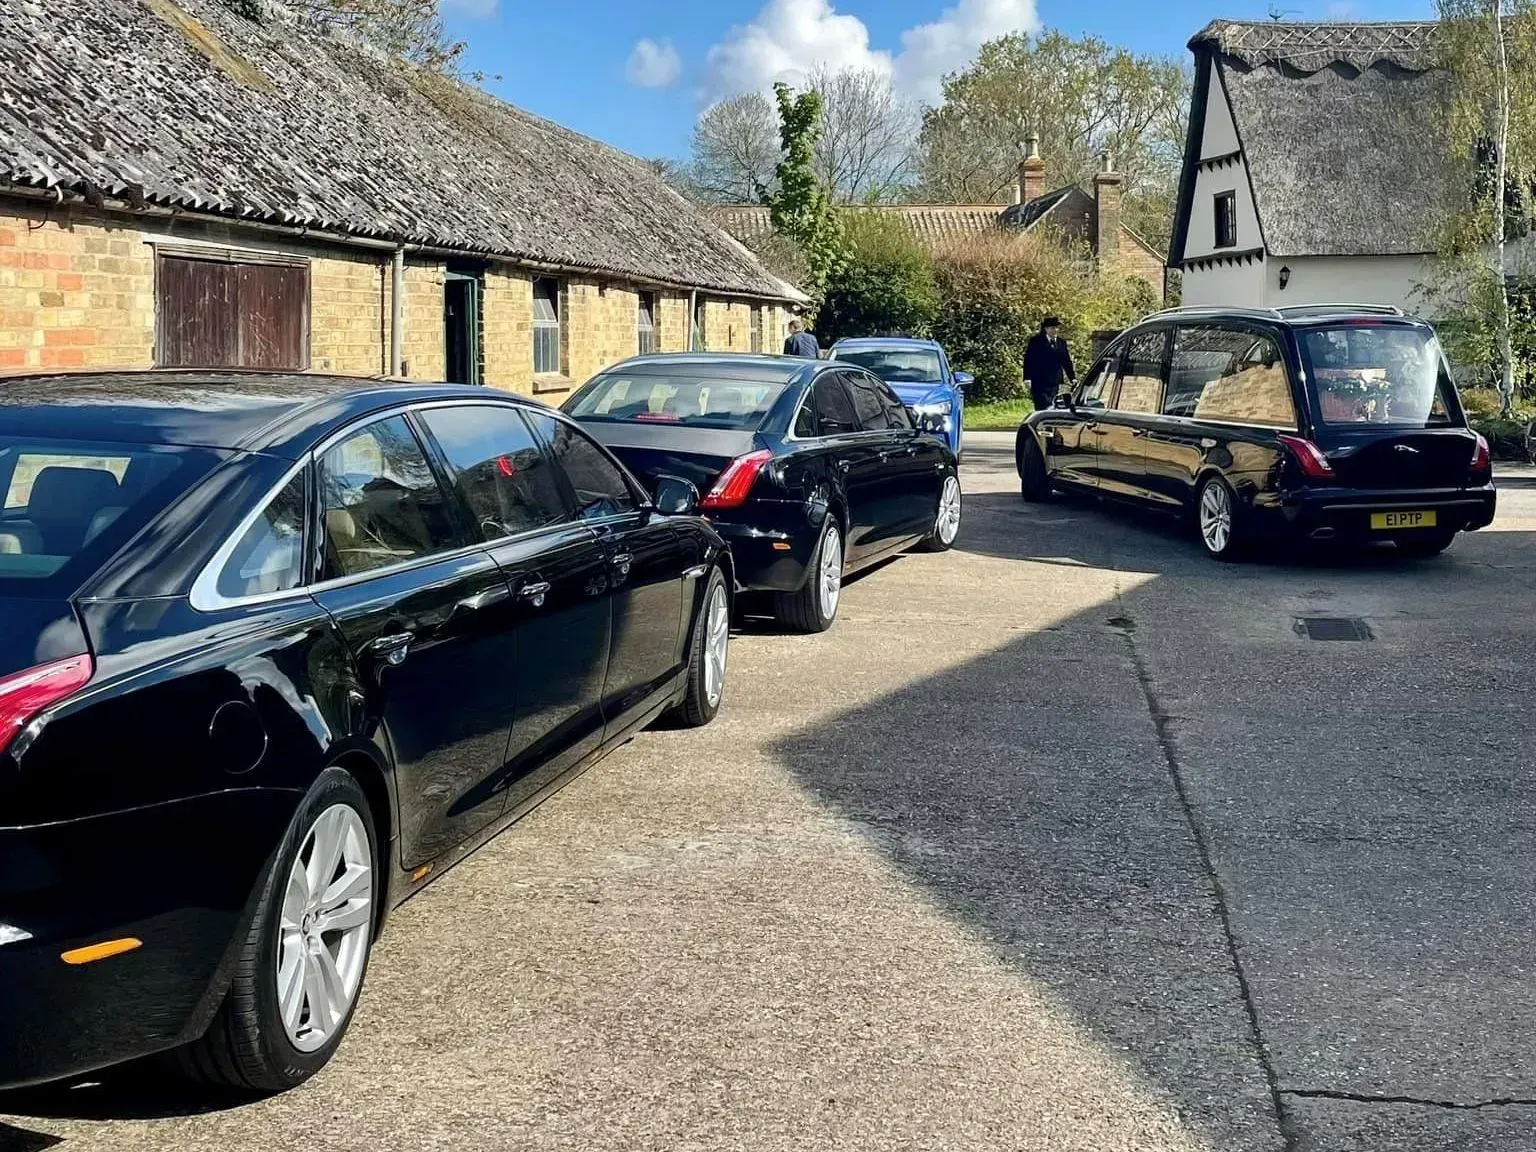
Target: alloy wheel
948,525
717,639
1216,517
831,575
324,931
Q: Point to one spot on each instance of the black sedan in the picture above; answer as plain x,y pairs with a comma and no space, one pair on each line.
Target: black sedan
278,650
811,469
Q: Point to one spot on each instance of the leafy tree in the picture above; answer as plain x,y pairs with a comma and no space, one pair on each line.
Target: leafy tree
1081,97
1489,48
799,205
884,284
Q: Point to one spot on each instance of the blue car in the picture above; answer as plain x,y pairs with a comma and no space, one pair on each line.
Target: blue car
919,373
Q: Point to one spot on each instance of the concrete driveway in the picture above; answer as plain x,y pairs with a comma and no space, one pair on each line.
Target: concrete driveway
1063,840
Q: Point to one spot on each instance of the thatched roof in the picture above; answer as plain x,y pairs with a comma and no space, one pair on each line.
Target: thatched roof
189,105
1340,127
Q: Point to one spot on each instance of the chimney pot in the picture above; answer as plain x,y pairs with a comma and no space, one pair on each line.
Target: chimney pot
1031,171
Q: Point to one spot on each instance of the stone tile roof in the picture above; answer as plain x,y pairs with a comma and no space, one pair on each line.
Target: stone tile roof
187,104
1340,127
930,222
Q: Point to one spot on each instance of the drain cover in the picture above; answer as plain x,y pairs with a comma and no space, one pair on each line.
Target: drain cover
1333,628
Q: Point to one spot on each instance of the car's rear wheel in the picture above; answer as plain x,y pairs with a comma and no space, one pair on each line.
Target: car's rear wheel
1422,547
1034,483
814,606
300,969
946,523
708,657
1217,519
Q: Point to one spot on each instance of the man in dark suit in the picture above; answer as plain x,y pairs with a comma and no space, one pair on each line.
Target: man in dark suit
1048,364
801,342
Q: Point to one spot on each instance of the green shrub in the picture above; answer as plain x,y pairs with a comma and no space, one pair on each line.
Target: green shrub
883,285
1506,438
1480,403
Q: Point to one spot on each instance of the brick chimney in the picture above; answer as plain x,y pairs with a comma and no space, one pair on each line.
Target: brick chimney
1031,171
1107,188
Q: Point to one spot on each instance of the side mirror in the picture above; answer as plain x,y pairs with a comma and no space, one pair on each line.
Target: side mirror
676,497
964,379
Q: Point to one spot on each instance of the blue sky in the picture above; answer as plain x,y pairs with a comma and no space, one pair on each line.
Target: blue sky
637,74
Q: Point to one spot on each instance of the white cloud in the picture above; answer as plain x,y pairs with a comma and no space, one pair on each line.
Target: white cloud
930,51
475,9
786,41
653,64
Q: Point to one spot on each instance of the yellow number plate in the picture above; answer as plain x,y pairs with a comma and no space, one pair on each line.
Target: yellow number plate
1395,520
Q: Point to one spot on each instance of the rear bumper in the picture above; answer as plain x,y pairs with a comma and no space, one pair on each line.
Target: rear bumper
771,550
180,877
1345,513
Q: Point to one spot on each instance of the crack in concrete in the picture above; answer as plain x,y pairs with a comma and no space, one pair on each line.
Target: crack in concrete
1160,724
1368,1098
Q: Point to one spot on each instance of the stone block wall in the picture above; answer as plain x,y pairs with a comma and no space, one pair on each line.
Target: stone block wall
349,315
672,321
507,330
425,346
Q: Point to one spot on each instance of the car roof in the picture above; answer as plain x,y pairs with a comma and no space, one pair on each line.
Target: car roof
762,367
278,413
888,342
1290,316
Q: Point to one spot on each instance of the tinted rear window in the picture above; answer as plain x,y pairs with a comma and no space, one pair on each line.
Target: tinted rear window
695,401
1364,374
69,505
896,365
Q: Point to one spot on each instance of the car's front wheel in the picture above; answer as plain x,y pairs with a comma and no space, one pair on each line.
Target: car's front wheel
814,606
300,968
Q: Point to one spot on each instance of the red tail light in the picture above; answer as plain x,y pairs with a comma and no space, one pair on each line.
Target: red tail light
25,694
1482,459
731,489
1314,465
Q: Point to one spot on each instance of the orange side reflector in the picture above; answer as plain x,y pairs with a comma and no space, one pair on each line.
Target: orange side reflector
93,952
420,873
780,546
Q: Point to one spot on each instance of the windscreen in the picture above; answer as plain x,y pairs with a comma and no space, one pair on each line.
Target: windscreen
71,504
896,365
699,402
1366,374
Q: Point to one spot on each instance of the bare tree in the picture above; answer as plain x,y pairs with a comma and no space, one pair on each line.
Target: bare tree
735,150
868,133
410,29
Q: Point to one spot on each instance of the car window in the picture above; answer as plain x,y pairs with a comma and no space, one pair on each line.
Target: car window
498,468
834,408
269,556
1370,373
1230,375
697,401
904,365
1099,384
896,414
380,503
868,406
598,485
805,419
1141,373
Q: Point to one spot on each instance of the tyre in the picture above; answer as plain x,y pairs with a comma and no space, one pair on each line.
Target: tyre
1216,519
301,967
814,607
946,522
707,656
1034,483
1422,547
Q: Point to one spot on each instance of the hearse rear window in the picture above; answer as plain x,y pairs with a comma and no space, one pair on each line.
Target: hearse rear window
1378,374
698,402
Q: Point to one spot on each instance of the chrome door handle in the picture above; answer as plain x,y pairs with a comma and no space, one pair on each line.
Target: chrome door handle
493,595
622,563
1140,432
842,465
394,648
534,593
1097,431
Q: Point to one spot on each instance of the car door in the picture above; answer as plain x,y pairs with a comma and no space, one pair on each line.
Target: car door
917,464
646,564
409,590
877,482
1071,447
556,575
1122,428
850,454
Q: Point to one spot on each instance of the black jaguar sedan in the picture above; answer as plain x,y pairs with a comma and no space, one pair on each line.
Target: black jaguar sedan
811,469
277,651
1318,423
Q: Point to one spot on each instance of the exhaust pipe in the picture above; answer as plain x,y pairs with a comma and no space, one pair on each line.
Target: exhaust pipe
1324,533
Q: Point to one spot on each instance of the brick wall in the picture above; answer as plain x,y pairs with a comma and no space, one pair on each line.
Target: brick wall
601,327
508,330
349,315
425,346
1137,261
727,326
673,321
73,295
